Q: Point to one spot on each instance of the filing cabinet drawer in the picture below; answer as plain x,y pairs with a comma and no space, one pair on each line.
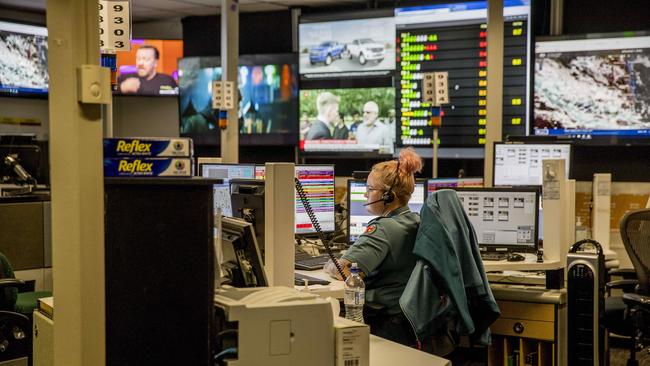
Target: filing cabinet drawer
524,328
527,311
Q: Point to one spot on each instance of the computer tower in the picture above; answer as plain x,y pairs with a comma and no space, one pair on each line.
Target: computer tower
586,305
159,257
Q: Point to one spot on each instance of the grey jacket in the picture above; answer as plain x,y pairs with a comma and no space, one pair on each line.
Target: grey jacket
318,131
448,285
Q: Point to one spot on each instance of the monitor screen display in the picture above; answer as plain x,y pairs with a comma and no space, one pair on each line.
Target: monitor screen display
150,68
226,172
260,171
452,37
593,87
23,59
268,100
502,218
318,184
347,48
521,164
347,120
359,216
442,183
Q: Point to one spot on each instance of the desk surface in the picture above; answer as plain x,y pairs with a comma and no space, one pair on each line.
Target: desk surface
334,289
528,264
386,353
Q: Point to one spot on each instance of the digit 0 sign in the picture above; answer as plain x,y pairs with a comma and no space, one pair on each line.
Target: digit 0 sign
114,26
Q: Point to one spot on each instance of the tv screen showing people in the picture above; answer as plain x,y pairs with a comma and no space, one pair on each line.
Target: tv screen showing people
359,119
150,68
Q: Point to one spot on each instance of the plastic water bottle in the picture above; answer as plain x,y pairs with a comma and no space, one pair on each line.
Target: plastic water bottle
355,294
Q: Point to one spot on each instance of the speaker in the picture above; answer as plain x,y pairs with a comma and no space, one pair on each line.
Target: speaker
159,257
586,305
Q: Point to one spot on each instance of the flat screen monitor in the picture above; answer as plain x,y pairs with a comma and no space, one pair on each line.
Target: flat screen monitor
452,37
593,85
442,183
242,263
346,48
268,99
318,183
150,68
226,172
260,172
23,59
521,164
347,120
358,215
247,199
503,218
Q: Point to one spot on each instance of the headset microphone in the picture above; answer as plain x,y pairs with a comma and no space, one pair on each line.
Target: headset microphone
370,203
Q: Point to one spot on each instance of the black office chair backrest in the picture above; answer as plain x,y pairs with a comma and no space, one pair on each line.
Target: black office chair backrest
635,232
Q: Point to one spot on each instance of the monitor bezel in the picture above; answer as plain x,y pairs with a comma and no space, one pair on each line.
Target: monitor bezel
509,247
199,169
521,143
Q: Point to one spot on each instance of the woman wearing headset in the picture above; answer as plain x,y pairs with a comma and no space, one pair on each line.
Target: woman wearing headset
384,252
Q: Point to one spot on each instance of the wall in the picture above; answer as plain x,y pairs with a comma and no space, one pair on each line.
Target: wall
25,108
145,116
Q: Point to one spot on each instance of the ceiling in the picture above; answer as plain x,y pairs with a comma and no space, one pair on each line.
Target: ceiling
145,10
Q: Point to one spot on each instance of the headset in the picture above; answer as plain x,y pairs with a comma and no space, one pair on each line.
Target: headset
389,195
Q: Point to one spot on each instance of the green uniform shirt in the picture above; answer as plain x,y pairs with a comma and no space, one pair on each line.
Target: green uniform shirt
385,255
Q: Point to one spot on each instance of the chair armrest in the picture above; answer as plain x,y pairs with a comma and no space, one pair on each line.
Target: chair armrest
11,282
637,300
29,286
625,285
626,273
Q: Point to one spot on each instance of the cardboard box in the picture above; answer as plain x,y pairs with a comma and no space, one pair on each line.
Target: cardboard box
147,147
352,345
147,167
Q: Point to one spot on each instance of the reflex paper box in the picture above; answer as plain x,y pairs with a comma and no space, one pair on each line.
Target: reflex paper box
147,167
352,343
147,147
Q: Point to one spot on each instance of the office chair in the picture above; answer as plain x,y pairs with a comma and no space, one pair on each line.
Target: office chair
16,295
628,315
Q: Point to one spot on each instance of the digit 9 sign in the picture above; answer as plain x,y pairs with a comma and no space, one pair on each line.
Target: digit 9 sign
114,26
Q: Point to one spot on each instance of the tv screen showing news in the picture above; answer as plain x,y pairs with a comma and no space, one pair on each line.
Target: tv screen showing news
150,68
347,47
268,100
589,87
23,59
347,120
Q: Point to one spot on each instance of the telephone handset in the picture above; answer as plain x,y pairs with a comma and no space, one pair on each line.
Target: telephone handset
316,225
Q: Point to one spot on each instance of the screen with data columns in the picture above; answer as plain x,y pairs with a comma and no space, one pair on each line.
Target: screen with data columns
358,214
453,38
221,199
318,183
521,164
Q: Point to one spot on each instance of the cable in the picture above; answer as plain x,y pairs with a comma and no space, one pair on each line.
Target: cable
316,225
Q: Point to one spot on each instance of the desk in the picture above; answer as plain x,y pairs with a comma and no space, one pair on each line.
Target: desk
387,353
334,289
528,264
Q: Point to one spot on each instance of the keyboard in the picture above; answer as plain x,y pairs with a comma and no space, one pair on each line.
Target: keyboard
494,256
298,280
306,262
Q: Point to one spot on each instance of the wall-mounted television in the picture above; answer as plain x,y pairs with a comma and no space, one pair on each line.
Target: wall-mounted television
593,86
23,59
150,68
268,100
347,120
346,47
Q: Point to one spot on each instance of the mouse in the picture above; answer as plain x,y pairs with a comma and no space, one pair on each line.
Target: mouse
514,257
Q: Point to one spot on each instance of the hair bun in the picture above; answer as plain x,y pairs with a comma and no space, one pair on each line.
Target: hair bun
410,162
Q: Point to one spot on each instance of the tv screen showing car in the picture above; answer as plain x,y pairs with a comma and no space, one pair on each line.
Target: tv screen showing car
23,59
268,99
347,120
150,68
592,86
347,47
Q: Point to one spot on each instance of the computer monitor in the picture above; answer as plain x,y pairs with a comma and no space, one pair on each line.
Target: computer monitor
517,164
260,172
503,218
23,60
358,215
226,172
247,199
318,183
242,264
442,183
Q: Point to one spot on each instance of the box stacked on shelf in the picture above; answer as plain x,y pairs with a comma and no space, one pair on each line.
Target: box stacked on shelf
148,157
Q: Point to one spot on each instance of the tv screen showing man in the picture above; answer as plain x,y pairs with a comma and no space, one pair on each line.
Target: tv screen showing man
147,80
340,120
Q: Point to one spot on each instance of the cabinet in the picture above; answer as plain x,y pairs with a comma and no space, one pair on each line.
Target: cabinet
531,329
